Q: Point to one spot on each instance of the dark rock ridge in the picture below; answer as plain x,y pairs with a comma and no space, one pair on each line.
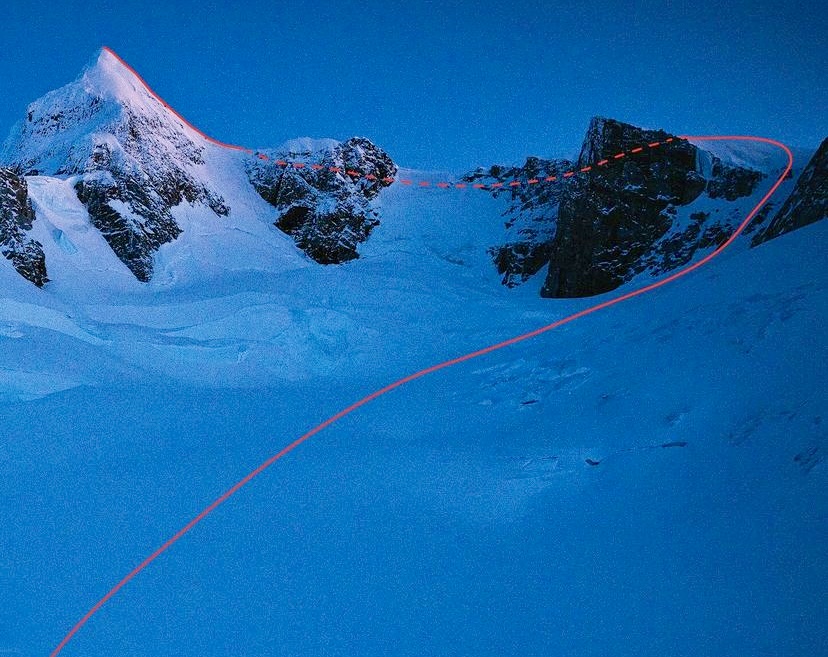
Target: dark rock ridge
597,231
16,219
808,201
328,214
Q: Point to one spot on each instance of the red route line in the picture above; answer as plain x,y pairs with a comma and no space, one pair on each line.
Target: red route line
352,173
434,368
152,93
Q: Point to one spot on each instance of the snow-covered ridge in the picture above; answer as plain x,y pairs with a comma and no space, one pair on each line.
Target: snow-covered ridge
146,177
153,186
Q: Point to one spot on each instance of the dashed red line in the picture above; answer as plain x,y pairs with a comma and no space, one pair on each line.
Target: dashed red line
516,182
357,174
430,370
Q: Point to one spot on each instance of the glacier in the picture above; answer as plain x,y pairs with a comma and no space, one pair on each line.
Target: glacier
647,480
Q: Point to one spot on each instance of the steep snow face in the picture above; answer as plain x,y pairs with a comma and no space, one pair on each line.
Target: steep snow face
65,127
807,203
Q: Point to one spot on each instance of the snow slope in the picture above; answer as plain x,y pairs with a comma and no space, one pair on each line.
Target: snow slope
459,513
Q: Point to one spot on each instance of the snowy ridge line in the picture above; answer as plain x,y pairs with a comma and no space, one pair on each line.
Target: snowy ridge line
515,182
440,366
355,174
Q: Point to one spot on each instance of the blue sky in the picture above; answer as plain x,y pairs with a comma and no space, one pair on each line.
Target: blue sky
442,84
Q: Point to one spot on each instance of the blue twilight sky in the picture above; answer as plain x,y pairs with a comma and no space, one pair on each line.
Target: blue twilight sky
441,84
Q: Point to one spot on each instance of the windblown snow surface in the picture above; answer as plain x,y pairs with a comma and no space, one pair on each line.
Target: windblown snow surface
457,515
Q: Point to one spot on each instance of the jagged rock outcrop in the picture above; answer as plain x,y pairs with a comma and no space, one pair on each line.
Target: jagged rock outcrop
808,201
327,213
16,219
599,230
531,218
611,218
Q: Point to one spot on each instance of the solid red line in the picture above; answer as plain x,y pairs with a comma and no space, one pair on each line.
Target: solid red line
434,368
170,108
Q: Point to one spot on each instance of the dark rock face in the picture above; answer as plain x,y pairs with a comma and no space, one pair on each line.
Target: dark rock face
530,227
16,218
597,231
129,190
678,249
807,203
610,219
327,213
731,183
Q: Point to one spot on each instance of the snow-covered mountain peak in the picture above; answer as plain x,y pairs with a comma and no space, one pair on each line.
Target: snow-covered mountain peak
107,113
129,157
110,78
